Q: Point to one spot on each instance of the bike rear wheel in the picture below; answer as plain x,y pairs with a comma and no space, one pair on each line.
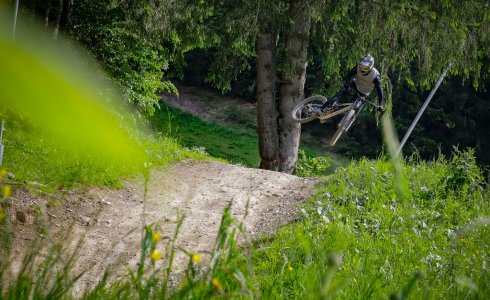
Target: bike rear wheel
305,111
344,124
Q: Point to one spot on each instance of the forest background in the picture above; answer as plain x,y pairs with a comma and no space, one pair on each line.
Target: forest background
211,44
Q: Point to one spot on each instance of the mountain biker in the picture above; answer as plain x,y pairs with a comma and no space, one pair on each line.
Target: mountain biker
362,79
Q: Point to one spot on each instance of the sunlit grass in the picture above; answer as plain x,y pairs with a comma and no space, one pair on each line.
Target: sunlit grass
40,162
237,145
436,244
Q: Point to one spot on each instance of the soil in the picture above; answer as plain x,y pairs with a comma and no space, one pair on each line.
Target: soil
109,222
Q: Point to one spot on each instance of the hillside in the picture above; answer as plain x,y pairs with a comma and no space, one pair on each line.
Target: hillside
210,106
108,221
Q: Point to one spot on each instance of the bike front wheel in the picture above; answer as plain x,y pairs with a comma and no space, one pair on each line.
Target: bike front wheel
305,111
344,124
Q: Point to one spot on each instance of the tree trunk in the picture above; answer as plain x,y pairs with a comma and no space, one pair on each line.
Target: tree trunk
66,18
293,83
266,96
46,17
278,133
58,20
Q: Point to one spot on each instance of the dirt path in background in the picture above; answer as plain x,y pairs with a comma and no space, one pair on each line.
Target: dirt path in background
111,220
207,104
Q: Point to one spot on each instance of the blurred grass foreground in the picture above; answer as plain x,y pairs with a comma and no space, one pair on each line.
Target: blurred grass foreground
53,85
62,113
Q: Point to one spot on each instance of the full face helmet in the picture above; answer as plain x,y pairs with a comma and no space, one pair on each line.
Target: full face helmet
366,64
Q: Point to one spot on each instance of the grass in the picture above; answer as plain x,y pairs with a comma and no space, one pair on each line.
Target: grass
436,245
237,145
41,162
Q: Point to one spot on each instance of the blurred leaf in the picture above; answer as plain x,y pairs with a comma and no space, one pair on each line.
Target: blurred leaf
63,94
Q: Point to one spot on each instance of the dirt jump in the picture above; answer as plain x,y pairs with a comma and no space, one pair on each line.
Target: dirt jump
110,221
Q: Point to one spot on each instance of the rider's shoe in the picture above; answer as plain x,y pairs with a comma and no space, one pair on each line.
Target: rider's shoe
319,111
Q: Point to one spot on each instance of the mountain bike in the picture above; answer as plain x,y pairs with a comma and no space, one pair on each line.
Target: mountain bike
306,111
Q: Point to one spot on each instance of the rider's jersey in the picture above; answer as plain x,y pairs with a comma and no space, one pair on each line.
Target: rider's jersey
365,83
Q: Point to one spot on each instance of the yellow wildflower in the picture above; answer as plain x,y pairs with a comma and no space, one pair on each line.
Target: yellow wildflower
290,268
196,258
156,255
3,172
7,191
156,236
216,283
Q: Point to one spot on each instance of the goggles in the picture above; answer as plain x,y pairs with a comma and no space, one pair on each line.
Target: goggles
364,69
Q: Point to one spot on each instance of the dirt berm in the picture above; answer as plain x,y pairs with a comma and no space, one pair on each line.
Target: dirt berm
110,221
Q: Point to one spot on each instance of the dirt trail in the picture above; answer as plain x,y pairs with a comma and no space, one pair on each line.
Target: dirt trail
111,220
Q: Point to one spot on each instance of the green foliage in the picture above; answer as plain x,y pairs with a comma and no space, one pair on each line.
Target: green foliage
425,47
231,33
134,64
129,56
312,166
464,173
226,30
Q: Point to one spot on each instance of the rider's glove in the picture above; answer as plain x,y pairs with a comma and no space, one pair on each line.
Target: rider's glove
381,108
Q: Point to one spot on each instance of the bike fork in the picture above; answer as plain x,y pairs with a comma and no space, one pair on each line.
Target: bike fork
350,123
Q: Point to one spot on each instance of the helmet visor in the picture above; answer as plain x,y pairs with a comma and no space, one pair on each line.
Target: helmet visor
364,69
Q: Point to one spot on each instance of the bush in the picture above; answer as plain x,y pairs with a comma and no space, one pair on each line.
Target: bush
127,54
312,166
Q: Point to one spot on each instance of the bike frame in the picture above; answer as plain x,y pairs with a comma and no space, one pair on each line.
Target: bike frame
349,118
305,110
358,105
328,115
347,106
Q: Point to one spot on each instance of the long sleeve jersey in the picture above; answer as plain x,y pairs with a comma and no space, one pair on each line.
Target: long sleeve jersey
366,83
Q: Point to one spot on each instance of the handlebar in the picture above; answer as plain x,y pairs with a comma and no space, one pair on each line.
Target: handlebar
363,99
